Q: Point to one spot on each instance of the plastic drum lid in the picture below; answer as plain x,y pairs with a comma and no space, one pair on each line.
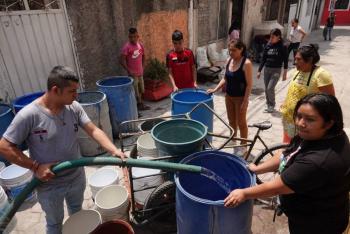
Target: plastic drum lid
103,177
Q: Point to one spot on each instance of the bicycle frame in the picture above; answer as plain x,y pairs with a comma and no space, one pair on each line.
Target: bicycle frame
251,143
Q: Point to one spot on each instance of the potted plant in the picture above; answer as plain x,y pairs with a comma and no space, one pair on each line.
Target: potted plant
156,80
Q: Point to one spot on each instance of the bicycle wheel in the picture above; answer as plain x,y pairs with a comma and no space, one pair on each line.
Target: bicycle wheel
264,156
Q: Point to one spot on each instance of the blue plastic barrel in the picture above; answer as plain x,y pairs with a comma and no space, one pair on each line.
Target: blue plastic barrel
185,100
22,101
179,137
121,101
199,201
6,117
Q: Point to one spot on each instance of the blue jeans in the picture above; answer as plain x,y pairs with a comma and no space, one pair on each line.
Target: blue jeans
51,200
329,32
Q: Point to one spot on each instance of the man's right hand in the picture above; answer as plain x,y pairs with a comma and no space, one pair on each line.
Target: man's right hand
44,172
175,89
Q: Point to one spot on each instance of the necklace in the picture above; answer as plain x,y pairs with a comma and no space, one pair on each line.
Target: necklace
62,118
234,62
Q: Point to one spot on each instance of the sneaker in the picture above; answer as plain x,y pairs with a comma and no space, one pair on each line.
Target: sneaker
142,107
270,109
240,151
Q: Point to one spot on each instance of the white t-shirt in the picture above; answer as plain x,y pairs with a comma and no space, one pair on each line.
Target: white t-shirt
295,34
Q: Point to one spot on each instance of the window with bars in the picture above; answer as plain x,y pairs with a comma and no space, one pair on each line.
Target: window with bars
341,5
22,5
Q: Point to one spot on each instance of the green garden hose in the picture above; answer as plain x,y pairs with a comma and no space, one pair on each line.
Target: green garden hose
10,210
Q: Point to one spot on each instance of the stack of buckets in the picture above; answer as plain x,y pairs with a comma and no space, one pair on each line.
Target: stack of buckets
111,199
103,177
112,202
144,181
14,178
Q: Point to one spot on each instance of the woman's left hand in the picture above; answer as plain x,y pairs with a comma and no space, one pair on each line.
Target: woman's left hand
235,198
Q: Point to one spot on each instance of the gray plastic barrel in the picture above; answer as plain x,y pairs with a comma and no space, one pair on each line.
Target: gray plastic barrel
121,101
199,200
96,107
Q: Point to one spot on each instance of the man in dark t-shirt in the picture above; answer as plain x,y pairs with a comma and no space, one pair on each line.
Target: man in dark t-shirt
181,64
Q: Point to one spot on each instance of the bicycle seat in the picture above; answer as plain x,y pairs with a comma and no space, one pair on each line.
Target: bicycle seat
262,125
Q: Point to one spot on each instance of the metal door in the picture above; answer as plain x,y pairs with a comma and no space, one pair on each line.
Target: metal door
34,37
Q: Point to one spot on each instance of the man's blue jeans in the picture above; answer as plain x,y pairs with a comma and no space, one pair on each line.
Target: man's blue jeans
51,201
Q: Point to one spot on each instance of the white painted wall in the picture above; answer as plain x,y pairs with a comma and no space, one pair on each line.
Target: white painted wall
252,16
304,18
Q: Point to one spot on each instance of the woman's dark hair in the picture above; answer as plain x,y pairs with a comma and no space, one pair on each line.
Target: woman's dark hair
296,20
309,53
328,107
239,45
234,26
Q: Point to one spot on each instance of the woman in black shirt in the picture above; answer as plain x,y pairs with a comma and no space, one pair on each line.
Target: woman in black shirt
274,56
314,179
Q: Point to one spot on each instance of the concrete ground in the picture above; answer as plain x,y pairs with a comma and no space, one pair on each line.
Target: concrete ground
335,57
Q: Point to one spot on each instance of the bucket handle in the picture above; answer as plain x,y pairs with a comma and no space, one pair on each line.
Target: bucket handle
230,129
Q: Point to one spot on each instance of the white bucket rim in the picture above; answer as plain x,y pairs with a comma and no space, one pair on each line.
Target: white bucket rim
146,142
139,172
18,173
78,215
113,179
124,199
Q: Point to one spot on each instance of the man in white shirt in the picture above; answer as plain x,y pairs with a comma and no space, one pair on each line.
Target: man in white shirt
296,36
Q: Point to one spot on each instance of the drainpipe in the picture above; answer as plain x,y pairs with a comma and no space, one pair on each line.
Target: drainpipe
190,25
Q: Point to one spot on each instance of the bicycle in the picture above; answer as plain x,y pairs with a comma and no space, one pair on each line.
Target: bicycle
158,209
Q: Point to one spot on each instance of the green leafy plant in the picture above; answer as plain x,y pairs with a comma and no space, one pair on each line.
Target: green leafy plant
156,70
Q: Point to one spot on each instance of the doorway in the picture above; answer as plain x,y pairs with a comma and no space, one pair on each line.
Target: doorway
237,13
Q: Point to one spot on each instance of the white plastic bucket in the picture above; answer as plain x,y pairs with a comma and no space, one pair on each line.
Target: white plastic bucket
2,166
103,177
14,178
113,203
84,221
146,146
153,180
3,199
3,204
